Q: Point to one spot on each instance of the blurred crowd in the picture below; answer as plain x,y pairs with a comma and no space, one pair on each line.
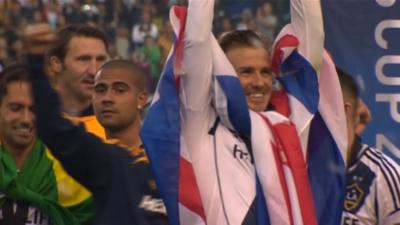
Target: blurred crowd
137,30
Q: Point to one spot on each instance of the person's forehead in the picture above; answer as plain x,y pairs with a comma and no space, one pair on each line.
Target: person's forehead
18,91
20,85
88,45
248,54
247,50
115,75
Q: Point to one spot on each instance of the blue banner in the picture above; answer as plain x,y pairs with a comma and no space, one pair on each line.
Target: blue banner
363,37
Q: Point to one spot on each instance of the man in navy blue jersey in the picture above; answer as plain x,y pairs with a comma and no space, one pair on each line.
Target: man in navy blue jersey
116,173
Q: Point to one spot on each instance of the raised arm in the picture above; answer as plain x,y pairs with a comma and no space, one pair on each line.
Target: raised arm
307,24
210,85
83,155
197,56
297,61
182,103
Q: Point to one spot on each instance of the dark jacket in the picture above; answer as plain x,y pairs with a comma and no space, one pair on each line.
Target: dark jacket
123,191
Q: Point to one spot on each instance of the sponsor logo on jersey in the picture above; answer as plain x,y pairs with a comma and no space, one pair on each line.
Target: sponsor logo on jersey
154,205
238,153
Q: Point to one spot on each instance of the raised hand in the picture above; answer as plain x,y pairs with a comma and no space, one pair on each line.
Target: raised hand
37,38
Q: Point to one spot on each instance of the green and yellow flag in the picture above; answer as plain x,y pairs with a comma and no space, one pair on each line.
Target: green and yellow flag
44,184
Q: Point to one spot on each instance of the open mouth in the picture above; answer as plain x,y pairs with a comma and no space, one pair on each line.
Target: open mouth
24,131
257,96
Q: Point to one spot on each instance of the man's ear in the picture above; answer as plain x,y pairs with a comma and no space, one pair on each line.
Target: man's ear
349,112
348,109
56,65
142,99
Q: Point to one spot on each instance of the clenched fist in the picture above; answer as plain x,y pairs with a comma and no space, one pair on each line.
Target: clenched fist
37,37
